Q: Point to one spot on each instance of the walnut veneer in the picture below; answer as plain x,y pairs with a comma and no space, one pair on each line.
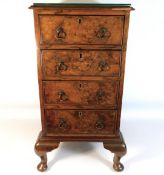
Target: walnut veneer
81,52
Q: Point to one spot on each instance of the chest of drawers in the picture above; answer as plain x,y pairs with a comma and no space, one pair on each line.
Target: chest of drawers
81,51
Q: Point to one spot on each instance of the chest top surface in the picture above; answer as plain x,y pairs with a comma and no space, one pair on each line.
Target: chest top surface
82,5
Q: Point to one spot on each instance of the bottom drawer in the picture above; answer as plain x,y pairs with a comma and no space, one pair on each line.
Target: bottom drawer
72,122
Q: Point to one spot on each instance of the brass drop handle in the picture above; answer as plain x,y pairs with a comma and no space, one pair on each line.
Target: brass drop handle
62,66
62,96
62,123
100,124
100,94
60,33
103,32
102,65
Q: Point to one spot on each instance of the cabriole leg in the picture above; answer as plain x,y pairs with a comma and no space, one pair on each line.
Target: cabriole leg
43,146
42,166
118,147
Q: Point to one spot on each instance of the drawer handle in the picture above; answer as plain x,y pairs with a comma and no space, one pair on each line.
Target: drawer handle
100,94
62,123
60,33
62,66
62,96
100,124
103,65
103,32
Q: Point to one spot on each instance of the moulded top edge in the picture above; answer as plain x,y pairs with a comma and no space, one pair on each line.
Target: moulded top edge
67,5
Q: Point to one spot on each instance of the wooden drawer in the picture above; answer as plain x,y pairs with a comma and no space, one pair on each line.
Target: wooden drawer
81,94
66,122
80,63
81,29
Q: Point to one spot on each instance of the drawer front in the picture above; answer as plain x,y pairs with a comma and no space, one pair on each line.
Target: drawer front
81,94
80,63
59,122
81,29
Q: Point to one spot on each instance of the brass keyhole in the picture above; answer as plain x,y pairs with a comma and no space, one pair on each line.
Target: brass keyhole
80,85
80,114
79,21
81,57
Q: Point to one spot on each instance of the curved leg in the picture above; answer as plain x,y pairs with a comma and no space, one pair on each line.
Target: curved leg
118,147
42,166
41,148
117,165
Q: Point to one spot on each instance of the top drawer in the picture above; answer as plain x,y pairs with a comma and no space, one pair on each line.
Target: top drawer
81,29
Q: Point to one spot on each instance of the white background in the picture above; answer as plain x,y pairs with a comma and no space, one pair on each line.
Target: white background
143,103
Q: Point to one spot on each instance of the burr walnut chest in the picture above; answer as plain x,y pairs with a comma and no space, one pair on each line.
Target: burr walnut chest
81,51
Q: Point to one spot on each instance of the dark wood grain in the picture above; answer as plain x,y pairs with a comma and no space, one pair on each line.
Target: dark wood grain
81,53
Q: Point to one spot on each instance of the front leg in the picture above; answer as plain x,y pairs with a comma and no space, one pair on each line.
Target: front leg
118,147
42,166
117,165
41,148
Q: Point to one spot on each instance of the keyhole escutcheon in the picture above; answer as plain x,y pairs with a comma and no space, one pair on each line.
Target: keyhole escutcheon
80,85
79,20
